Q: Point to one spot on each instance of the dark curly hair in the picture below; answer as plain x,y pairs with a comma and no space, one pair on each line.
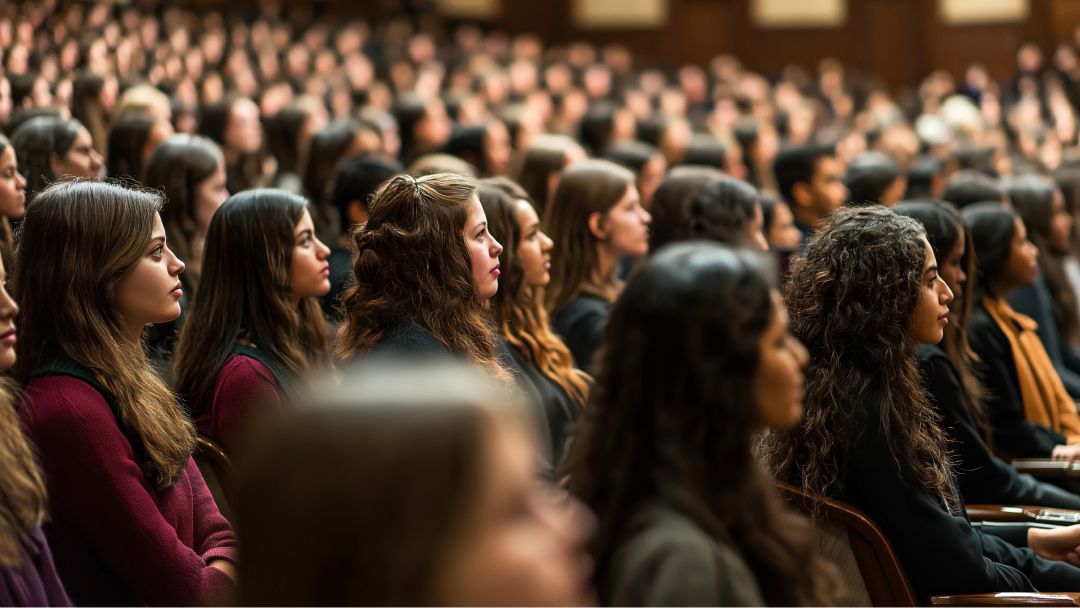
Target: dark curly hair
851,300
411,264
673,413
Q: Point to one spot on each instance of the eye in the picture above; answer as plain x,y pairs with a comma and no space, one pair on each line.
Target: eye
480,234
158,251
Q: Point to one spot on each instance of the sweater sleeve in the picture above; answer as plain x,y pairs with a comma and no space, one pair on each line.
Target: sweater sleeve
245,389
98,488
984,478
1008,420
213,535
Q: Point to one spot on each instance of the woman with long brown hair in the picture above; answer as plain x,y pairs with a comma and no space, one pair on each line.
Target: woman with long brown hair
536,352
864,297
543,164
233,123
131,520
595,218
132,139
391,492
948,369
50,148
12,197
425,267
255,329
27,574
697,360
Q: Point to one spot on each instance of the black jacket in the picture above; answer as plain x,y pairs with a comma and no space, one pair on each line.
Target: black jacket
560,411
982,477
580,324
938,548
1004,403
1036,302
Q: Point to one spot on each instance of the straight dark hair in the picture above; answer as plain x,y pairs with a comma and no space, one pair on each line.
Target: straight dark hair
36,142
244,295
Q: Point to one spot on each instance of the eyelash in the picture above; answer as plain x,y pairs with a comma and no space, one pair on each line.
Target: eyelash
480,235
158,250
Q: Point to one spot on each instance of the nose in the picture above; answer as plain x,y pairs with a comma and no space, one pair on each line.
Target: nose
546,244
496,248
321,250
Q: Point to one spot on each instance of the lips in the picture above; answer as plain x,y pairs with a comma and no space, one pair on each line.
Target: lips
325,271
495,271
8,337
178,290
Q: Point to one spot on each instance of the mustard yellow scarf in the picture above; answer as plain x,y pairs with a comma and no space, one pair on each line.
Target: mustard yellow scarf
1045,400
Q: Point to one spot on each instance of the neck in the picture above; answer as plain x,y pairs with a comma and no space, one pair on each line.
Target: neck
231,155
607,259
805,216
135,332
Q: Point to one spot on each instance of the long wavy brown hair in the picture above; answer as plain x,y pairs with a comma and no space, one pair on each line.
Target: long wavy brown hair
86,236
851,301
517,308
591,186
944,227
244,295
22,486
411,264
673,414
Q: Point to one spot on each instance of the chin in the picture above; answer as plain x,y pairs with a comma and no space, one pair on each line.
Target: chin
7,357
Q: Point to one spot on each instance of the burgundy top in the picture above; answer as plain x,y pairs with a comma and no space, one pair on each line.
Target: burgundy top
244,387
116,539
34,582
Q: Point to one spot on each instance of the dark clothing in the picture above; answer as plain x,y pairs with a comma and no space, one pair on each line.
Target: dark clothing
409,340
117,539
807,234
559,410
1008,421
981,477
525,385
35,582
580,325
938,548
1036,302
665,559
340,262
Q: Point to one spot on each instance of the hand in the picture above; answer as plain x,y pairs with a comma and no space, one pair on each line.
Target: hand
228,567
1066,452
1059,544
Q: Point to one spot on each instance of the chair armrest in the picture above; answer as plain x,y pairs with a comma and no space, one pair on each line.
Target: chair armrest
1044,468
1029,515
1008,599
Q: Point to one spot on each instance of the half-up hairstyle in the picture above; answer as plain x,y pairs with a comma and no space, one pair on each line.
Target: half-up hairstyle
851,301
673,414
83,237
587,187
517,308
411,264
944,228
244,294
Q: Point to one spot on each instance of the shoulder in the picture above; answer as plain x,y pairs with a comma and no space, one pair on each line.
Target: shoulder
933,362
61,396
411,338
668,560
241,369
585,308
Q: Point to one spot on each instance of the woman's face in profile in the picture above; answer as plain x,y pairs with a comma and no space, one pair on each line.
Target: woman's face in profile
520,544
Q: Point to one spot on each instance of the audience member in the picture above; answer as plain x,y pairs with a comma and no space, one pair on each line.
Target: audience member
132,139
51,148
809,179
874,178
725,210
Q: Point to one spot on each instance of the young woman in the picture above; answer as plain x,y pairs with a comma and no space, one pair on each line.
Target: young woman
725,210
672,201
427,491
27,574
51,148
543,165
1051,301
132,139
12,197
486,147
537,354
93,98
595,218
425,266
866,294
948,372
233,123
189,171
1030,413
337,141
423,126
778,224
131,520
699,359
255,329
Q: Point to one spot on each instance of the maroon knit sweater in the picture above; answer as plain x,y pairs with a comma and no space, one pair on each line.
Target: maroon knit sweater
243,390
115,538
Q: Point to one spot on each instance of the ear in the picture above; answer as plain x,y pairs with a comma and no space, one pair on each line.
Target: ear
800,192
596,221
356,212
55,163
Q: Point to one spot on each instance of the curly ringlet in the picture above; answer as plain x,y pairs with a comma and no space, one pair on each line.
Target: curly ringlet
851,301
85,236
411,263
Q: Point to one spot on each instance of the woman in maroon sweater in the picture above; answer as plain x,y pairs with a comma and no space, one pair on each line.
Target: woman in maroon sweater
255,328
131,520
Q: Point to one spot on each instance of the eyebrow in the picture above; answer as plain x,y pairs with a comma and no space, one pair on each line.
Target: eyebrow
479,225
931,269
304,232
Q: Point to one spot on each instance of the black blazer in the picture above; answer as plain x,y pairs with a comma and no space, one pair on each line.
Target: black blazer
561,412
938,548
982,477
1005,403
580,324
